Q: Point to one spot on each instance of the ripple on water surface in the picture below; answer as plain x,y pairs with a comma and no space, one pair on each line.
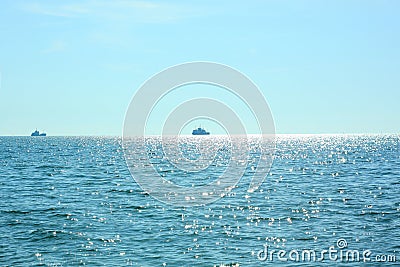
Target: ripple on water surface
70,200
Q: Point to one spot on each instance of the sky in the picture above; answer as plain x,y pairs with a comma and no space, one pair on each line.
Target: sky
72,67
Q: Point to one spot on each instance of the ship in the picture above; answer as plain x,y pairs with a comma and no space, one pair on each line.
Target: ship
200,131
36,133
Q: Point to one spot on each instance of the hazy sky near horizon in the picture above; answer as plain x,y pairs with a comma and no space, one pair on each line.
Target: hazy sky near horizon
72,67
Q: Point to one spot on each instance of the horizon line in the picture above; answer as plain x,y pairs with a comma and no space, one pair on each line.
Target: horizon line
250,134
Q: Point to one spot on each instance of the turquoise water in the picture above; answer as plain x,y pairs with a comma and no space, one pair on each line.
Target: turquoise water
67,201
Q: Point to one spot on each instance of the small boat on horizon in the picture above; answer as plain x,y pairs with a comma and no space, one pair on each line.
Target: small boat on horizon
200,131
37,133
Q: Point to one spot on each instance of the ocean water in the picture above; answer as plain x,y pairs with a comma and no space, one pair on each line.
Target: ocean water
70,201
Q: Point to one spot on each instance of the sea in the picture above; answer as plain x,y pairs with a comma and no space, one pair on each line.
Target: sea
328,200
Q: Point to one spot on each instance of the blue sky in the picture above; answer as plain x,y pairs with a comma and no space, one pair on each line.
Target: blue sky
72,67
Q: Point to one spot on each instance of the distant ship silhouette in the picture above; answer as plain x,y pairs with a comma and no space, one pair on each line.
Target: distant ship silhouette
36,133
200,131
